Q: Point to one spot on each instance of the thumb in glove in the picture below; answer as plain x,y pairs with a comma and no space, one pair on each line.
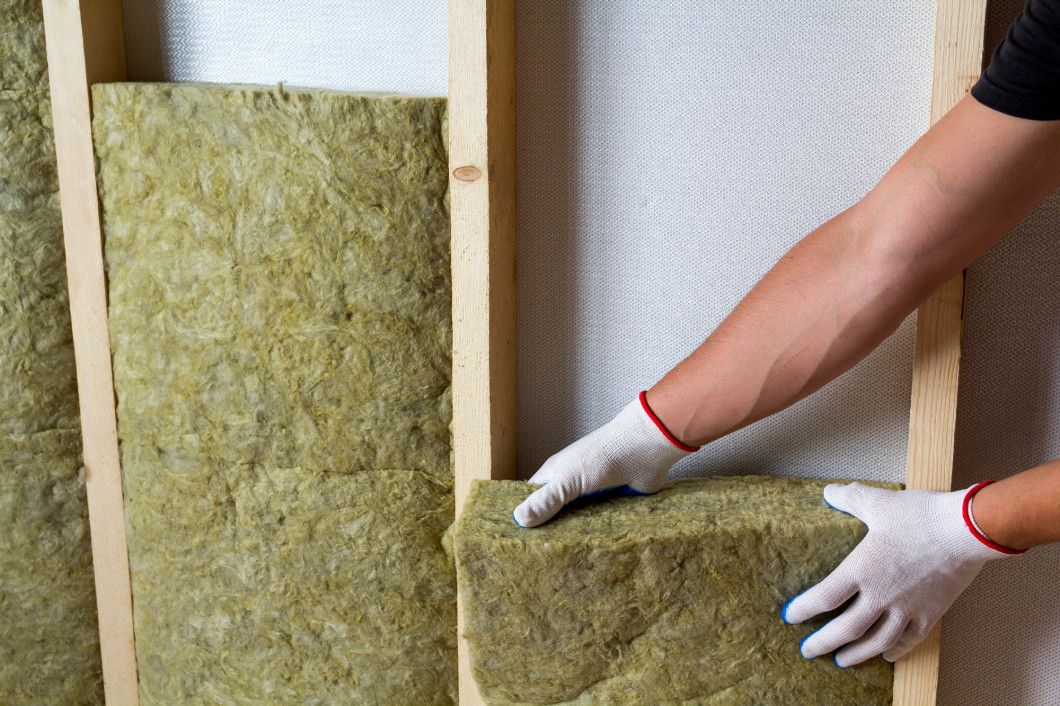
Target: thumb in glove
630,454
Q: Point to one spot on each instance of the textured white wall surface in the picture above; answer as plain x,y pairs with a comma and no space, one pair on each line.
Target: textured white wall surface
1001,639
354,45
668,155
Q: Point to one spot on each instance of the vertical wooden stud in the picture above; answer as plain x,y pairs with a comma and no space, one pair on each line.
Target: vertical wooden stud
86,45
959,26
482,193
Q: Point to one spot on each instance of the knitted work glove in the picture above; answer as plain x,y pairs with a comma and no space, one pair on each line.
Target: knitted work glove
631,454
922,549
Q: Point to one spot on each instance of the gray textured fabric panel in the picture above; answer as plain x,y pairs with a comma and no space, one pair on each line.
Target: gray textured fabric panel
358,45
668,154
1008,420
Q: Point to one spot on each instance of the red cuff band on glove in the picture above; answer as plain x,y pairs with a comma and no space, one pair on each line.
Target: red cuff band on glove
971,526
662,427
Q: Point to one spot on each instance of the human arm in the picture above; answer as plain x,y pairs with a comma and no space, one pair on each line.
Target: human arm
847,285
831,299
1023,510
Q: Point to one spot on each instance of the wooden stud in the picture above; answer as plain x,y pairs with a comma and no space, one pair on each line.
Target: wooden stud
86,45
482,193
959,27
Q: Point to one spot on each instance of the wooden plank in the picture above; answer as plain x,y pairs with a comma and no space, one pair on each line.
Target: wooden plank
959,27
86,45
482,193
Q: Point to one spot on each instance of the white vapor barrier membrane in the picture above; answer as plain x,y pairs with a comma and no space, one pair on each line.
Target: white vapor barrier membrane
1008,420
668,155
356,45
1001,639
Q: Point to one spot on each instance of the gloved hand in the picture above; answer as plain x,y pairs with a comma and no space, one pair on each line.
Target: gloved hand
630,454
922,549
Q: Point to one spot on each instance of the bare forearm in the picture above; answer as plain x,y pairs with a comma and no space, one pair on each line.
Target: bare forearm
827,303
1022,511
841,290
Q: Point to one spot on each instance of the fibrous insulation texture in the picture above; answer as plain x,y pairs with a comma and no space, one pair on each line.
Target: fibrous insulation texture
278,267
673,598
49,645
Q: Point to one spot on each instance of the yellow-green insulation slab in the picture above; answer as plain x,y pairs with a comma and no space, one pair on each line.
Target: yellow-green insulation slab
49,644
278,266
673,598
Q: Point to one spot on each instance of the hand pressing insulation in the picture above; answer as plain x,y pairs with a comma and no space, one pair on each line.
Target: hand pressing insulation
922,549
631,454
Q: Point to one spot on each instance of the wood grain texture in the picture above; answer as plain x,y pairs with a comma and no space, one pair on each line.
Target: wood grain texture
85,45
933,407
482,192
959,28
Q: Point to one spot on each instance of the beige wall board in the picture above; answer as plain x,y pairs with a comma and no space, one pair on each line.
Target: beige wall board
85,45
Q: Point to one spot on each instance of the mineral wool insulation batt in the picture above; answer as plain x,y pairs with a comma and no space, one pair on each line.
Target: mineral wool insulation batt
278,266
673,598
49,648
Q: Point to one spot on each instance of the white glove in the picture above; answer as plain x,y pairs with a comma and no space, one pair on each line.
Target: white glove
921,551
631,454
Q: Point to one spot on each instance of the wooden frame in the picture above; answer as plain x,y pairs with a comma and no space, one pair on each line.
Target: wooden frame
86,45
482,198
959,28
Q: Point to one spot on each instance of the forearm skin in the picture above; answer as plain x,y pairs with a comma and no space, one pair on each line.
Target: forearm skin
825,305
1022,511
847,285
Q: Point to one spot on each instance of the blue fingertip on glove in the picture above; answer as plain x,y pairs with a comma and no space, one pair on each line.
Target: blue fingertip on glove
784,610
801,643
834,507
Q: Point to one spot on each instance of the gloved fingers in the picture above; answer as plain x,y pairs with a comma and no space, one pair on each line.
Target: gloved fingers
880,637
544,474
850,625
545,502
901,649
861,501
834,591
914,633
643,486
